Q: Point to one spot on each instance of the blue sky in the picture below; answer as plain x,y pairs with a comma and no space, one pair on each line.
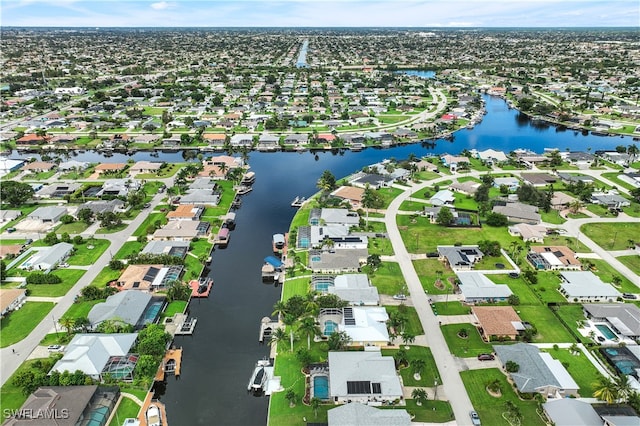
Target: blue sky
319,13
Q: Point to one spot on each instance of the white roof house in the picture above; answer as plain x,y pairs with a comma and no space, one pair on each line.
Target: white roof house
571,412
90,353
491,155
48,214
357,414
48,258
327,216
442,198
365,325
355,289
585,286
476,287
366,377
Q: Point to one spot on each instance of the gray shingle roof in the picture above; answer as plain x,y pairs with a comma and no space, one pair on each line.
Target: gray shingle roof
356,414
127,306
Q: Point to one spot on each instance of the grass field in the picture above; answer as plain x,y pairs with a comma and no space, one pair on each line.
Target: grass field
72,228
472,345
387,278
550,329
295,287
413,326
129,248
612,236
18,324
106,275
606,273
127,408
490,408
451,308
632,262
69,278
81,309
85,256
580,368
175,307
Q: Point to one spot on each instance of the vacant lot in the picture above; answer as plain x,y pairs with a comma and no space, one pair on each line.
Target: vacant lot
612,236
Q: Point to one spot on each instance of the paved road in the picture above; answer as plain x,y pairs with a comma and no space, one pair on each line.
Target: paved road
447,367
10,361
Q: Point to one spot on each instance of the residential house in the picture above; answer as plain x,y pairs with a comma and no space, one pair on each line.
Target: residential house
572,178
518,212
579,158
621,159
204,197
538,179
623,318
242,139
11,299
351,194
460,258
372,181
172,248
332,216
58,190
512,183
442,198
101,206
72,165
316,236
118,187
468,187
145,167
571,412
147,277
353,288
491,157
182,230
47,258
186,212
38,167
553,258
9,215
33,139
610,200
453,161
106,168
475,287
65,406
216,140
337,261
8,165
561,200
365,325
366,377
529,233
538,372
632,178
268,142
97,354
357,414
497,322
296,139
586,287
135,308
10,250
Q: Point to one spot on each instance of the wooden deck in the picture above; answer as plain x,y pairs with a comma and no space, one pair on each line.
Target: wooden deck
171,354
142,416
195,284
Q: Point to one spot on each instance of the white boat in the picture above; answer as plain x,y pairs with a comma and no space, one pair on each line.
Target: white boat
259,376
153,416
298,201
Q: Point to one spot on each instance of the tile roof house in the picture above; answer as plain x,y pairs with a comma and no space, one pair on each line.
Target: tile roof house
351,194
10,299
491,156
145,167
538,179
100,206
585,286
90,353
11,250
366,377
467,187
186,212
623,318
538,372
147,277
571,412
39,166
357,414
460,258
553,258
529,233
495,322
475,287
561,200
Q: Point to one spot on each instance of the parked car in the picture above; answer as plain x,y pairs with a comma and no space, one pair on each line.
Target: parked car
63,265
55,348
629,296
486,357
400,297
10,230
475,419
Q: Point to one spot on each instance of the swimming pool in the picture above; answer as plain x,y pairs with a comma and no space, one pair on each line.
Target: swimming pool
322,286
330,327
606,331
321,387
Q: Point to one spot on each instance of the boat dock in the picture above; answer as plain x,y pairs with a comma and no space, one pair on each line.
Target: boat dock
201,287
267,327
272,270
248,178
298,201
187,327
171,364
180,324
142,416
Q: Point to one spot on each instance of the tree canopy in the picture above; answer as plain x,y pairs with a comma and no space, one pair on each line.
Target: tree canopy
15,193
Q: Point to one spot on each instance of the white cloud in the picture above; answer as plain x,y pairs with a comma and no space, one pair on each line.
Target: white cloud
162,5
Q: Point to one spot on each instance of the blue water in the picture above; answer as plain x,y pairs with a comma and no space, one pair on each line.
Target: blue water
330,327
606,331
417,73
321,387
302,56
151,314
322,286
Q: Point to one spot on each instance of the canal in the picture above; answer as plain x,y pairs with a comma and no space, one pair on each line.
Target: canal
219,358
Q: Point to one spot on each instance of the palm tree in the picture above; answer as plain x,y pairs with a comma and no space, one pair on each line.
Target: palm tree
309,327
623,388
279,335
407,337
223,169
514,246
400,357
419,396
279,308
606,390
632,150
417,365
315,404
68,324
288,321
575,206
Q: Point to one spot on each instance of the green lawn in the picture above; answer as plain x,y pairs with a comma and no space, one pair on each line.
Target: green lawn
84,255
413,326
295,287
127,408
153,218
451,308
632,262
18,324
550,329
129,248
552,216
107,274
11,397
59,338
72,228
471,346
572,315
201,247
606,274
117,228
490,408
612,236
387,278
561,240
428,375
175,307
427,270
580,368
429,412
69,278
80,309
388,195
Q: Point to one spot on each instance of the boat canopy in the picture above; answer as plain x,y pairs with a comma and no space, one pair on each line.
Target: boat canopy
274,261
